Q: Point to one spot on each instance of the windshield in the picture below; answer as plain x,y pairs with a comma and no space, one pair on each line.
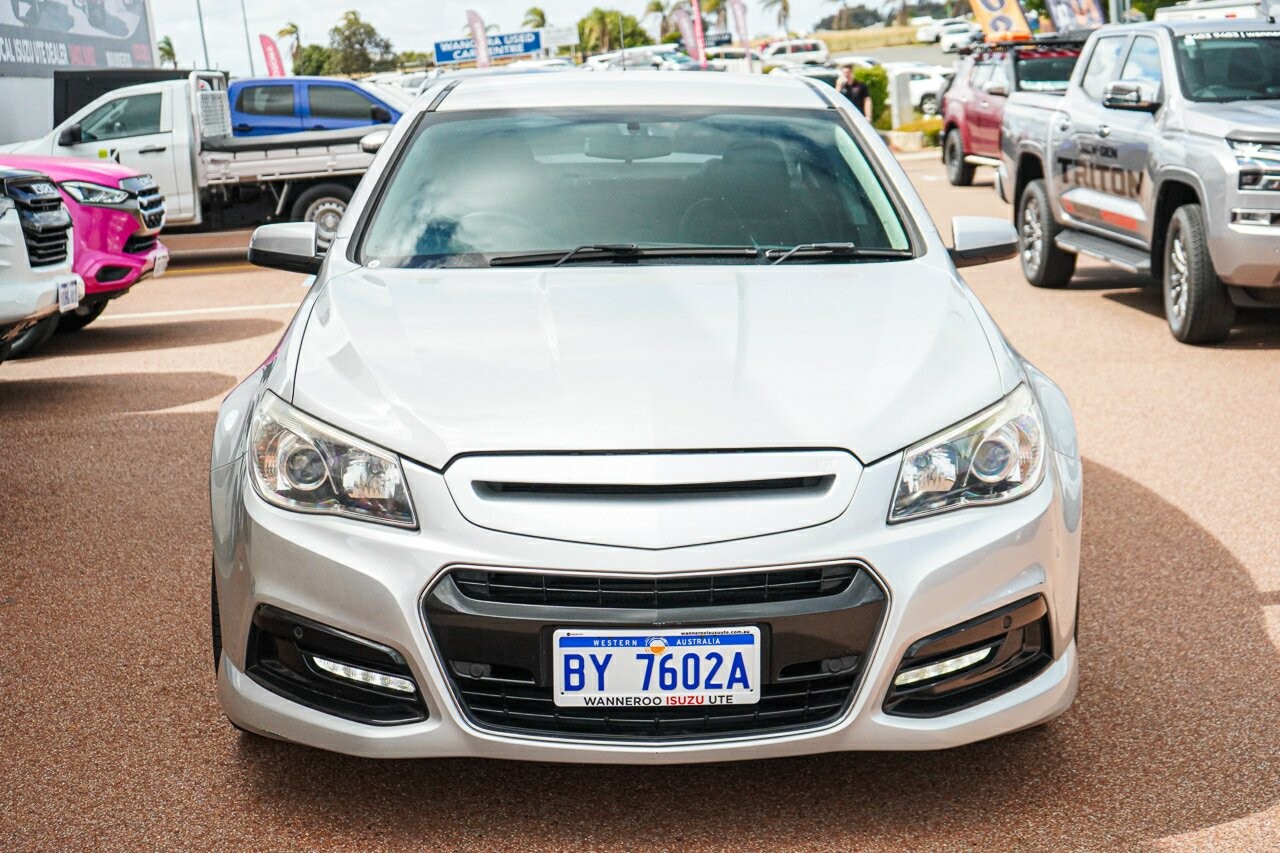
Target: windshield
1042,72
1229,66
473,186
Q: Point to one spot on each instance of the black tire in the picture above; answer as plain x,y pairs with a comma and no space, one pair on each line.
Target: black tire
74,321
929,105
324,205
1043,263
959,173
1196,302
33,338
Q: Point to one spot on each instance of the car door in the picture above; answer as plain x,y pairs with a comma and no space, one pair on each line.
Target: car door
262,109
989,109
1078,163
333,105
974,94
136,130
1124,145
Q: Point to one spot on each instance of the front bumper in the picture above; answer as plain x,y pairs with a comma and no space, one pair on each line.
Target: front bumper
27,294
371,581
1246,254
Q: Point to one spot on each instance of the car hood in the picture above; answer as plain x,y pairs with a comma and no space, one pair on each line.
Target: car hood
72,168
865,357
1251,120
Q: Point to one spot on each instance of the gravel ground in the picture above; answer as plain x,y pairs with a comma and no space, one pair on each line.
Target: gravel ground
110,737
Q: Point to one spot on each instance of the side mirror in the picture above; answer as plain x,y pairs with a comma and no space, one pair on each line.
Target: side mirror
371,143
288,246
1134,95
380,115
995,88
72,135
981,240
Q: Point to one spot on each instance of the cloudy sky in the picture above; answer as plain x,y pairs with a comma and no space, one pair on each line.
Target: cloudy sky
410,25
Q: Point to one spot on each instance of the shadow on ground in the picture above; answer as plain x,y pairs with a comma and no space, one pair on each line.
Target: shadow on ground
110,337
106,394
1173,731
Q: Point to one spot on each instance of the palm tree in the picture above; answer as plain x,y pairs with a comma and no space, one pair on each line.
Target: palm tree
595,32
783,8
534,18
291,31
167,56
666,14
719,8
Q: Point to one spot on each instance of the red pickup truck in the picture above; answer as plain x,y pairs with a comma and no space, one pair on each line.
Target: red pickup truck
973,105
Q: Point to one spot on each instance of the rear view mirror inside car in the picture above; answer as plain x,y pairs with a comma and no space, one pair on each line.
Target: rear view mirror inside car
631,146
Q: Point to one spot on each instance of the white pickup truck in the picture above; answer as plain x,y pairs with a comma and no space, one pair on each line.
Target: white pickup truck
179,131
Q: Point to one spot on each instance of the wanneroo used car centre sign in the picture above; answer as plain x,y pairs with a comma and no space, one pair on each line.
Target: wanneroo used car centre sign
503,44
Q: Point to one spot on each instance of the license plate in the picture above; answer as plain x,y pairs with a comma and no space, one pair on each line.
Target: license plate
161,264
630,668
68,295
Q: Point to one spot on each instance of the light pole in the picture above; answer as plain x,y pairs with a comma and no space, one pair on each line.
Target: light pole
204,46
248,45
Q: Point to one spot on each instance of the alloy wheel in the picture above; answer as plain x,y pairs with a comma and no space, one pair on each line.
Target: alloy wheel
1178,275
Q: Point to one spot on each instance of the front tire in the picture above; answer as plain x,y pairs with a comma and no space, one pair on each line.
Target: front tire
86,313
1196,302
959,173
1043,263
323,204
217,622
33,338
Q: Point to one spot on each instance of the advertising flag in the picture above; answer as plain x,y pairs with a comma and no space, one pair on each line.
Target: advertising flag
1071,15
1002,20
275,65
476,23
739,10
699,50
686,29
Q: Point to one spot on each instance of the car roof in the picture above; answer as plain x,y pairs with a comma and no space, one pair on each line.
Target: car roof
638,88
1194,26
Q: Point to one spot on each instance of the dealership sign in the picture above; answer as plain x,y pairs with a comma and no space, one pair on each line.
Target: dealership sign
36,38
503,44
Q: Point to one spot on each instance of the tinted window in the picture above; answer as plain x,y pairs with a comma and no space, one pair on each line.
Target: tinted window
1104,64
266,100
981,74
1143,62
1229,66
474,186
999,75
1045,72
137,115
338,102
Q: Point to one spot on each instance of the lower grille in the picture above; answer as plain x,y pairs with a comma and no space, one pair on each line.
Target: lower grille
140,244
531,709
497,651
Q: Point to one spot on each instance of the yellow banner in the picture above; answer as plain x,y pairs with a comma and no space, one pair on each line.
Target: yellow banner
1001,20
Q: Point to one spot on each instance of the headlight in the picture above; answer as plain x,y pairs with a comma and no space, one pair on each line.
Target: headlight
298,463
995,456
1259,164
87,193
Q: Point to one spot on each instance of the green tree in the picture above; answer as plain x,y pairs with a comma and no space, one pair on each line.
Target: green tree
598,31
783,10
168,57
356,46
534,18
415,58
291,32
666,12
311,60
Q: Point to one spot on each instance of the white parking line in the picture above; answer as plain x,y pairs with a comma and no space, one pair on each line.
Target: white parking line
186,312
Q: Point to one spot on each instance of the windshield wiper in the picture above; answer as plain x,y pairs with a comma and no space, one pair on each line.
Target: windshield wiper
624,251
808,250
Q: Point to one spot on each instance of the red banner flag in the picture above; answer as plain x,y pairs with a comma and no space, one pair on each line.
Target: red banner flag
699,51
478,35
275,65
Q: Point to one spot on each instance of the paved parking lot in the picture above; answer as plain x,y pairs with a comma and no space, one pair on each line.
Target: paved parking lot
111,738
